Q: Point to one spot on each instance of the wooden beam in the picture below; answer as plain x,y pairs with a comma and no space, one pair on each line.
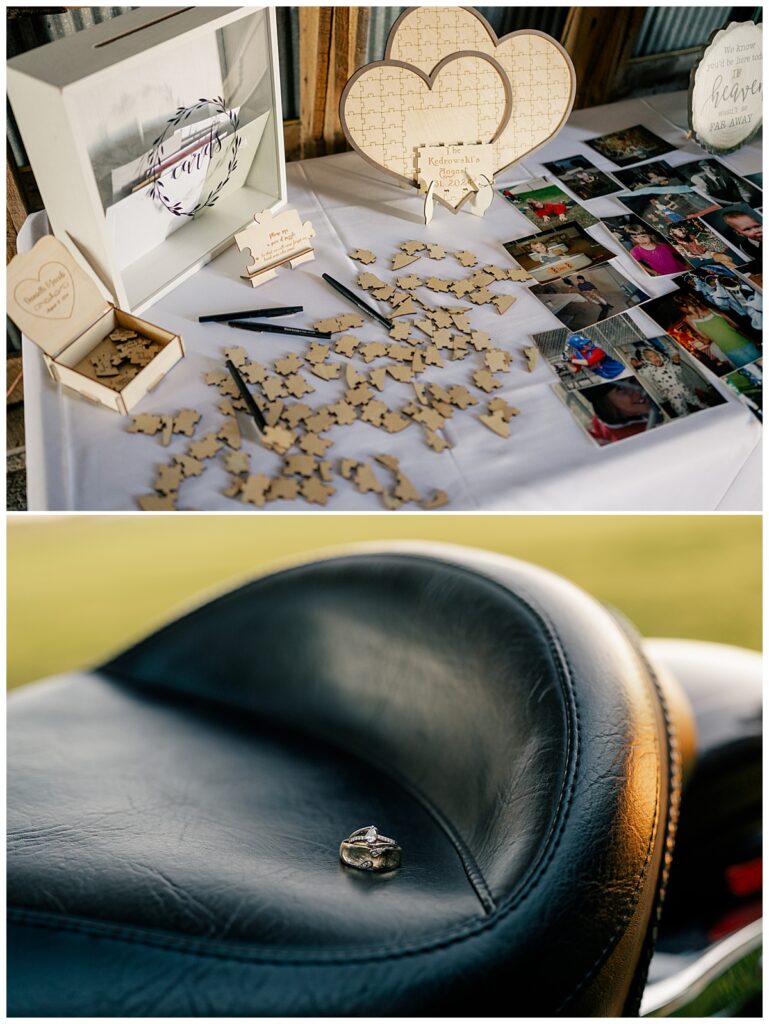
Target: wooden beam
600,42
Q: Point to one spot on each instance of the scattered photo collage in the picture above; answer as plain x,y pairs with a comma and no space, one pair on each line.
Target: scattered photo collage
700,225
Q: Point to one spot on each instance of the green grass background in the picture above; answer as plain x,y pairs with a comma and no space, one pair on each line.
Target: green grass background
80,587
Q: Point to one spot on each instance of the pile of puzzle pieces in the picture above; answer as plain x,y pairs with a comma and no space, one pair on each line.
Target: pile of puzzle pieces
119,357
431,337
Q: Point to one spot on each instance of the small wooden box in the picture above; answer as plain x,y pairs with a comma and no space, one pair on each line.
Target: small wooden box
63,309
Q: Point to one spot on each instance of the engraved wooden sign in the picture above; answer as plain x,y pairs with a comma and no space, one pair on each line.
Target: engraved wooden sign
275,242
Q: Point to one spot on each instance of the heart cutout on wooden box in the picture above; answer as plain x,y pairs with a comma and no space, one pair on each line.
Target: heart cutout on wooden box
539,70
50,295
389,110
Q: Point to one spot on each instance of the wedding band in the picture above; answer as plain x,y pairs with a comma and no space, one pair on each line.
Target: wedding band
367,850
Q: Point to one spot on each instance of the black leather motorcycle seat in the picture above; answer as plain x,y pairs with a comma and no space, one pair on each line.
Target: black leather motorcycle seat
175,816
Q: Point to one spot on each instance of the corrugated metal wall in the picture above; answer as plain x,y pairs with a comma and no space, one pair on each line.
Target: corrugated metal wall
677,28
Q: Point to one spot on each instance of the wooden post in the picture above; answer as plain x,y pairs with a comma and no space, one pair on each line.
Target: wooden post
332,44
600,41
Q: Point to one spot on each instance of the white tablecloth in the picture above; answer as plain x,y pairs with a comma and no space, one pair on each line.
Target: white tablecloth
80,457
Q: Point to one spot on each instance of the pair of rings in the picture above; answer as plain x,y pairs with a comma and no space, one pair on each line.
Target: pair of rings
367,850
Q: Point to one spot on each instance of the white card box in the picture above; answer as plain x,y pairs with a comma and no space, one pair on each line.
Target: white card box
132,125
67,313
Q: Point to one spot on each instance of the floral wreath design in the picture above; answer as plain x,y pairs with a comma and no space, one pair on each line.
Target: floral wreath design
157,188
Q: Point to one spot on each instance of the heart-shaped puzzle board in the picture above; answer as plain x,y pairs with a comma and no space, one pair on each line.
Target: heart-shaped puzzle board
50,298
539,70
389,110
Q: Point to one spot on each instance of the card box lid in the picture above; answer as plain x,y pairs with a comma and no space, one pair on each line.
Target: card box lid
52,296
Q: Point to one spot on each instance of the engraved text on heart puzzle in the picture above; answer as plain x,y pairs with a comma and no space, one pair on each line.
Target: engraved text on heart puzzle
50,295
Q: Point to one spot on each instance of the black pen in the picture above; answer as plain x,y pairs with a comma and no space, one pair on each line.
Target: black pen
275,329
245,314
362,306
247,397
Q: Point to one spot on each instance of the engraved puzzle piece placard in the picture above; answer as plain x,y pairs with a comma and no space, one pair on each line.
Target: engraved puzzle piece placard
453,169
389,110
275,241
539,70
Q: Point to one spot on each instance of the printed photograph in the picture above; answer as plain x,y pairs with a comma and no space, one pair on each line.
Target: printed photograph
700,245
655,255
731,293
668,372
748,383
757,178
714,337
754,272
630,146
657,174
582,177
719,182
546,204
612,411
554,252
580,300
661,209
580,359
741,226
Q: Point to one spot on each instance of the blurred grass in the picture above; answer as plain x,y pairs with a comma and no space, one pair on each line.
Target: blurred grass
81,587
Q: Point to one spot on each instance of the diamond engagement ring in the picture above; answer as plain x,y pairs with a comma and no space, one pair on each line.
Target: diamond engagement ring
367,850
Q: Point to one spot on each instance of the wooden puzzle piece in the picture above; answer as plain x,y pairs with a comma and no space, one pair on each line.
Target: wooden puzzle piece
436,500
229,432
426,327
296,413
461,322
158,503
359,396
168,429
440,318
328,326
384,293
405,308
497,360
459,349
428,417
435,251
393,422
404,489
480,341
325,471
499,405
365,480
421,392
404,374
145,423
283,488
400,332
122,334
401,260
278,439
288,364
517,274
254,488
459,396
467,259
314,445
442,338
372,350
418,362
481,296
531,354
437,442
363,256
503,303
237,355
272,412
432,357
299,464
298,386
343,412
496,272
366,281
484,380
352,376
168,479
234,488
349,321
104,364
496,422
237,462
373,412
408,281
412,246
321,420
389,461
400,353
317,352
185,421
273,387
253,373
346,345
326,371
481,279
463,287
215,378
316,492
189,465
138,352
377,377
205,448
438,284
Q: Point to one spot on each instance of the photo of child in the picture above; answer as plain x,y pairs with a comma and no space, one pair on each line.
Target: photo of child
748,383
741,226
668,374
581,300
727,291
578,359
614,410
710,335
554,252
650,250
719,182
582,177
655,175
630,146
661,209
699,245
546,205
